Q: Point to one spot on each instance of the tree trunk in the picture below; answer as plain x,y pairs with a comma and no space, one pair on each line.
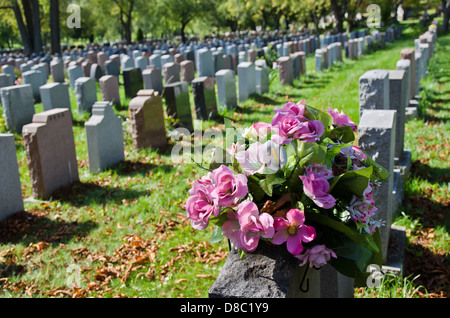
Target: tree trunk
55,33
446,9
36,27
27,12
183,35
338,14
22,29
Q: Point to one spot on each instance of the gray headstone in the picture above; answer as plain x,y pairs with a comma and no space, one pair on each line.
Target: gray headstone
374,90
18,106
55,95
152,79
246,80
96,72
205,65
155,60
9,69
376,136
86,93
74,72
204,97
397,101
318,55
112,68
6,80
141,62
405,66
36,79
104,137
166,58
102,57
50,148
178,104
226,89
11,199
127,62
262,80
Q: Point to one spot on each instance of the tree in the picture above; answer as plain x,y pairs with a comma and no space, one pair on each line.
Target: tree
126,8
183,12
339,8
446,10
55,32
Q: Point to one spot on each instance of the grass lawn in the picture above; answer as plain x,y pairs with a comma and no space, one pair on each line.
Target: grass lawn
123,232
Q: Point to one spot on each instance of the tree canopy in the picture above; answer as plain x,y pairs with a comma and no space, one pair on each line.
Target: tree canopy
39,24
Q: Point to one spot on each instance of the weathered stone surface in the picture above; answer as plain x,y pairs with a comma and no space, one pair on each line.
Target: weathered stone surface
112,68
96,72
226,89
50,148
11,199
204,97
104,137
55,95
262,80
374,90
6,80
178,104
405,65
376,136
109,87
272,272
9,69
205,66
147,120
18,106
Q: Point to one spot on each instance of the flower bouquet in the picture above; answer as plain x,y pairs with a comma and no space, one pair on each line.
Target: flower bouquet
300,182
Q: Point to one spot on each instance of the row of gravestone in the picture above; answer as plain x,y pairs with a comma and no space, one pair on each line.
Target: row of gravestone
385,96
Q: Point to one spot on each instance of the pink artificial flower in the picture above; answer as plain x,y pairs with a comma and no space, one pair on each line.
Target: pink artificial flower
286,126
247,226
235,148
293,231
297,110
316,187
229,188
261,130
266,158
314,130
317,256
341,120
202,203
361,210
320,169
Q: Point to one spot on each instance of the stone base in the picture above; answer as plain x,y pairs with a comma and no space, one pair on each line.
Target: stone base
272,272
412,110
396,250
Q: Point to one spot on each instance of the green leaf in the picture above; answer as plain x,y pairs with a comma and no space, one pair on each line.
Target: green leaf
351,182
316,114
362,239
343,134
380,172
267,183
255,188
216,235
333,152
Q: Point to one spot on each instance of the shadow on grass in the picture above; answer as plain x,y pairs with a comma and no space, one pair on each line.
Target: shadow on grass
431,174
82,194
128,168
35,226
